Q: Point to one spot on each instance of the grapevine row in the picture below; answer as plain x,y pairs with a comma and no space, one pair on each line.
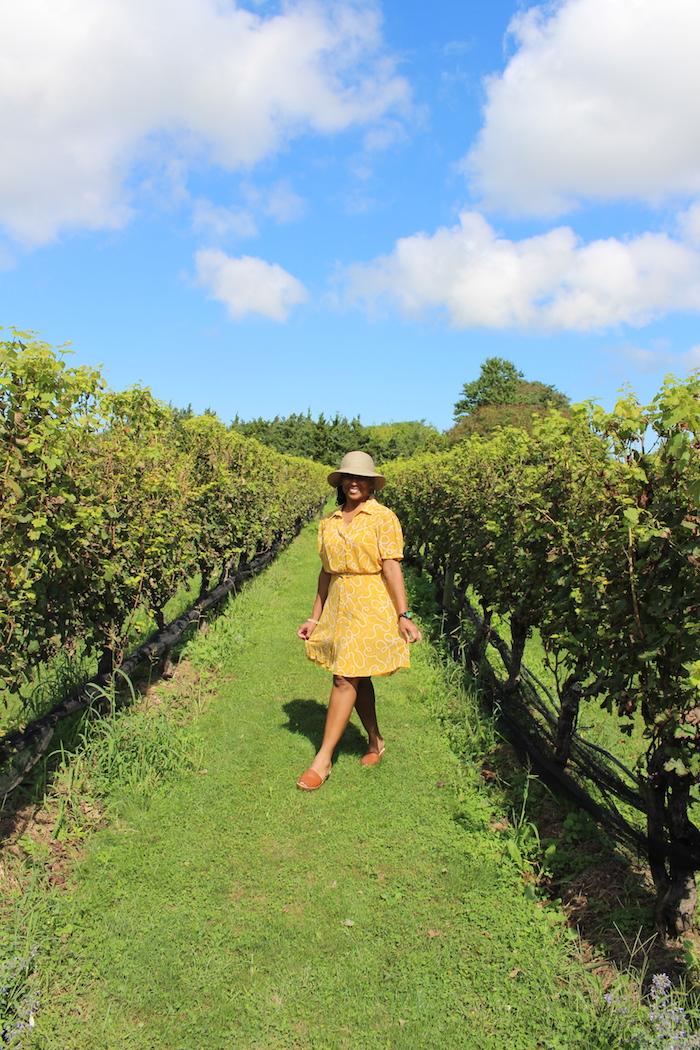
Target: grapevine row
588,530
110,502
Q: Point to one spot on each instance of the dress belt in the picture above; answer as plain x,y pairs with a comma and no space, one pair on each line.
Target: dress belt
335,575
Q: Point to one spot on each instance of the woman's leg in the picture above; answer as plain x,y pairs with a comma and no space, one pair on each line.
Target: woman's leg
366,708
340,705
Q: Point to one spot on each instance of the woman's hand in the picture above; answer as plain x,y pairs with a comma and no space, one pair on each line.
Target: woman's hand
409,631
306,629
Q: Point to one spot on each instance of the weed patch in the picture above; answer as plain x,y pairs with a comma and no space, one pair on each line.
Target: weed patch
18,998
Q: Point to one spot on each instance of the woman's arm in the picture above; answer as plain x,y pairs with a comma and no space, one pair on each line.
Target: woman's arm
307,628
393,577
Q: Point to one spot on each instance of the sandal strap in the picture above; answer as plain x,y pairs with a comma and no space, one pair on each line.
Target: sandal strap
312,779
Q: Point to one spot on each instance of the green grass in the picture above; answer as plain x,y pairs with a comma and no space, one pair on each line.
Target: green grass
229,910
602,727
596,724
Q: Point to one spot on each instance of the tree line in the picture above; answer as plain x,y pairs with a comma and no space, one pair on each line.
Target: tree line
500,396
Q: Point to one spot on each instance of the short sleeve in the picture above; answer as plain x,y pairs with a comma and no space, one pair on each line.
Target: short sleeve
390,537
319,538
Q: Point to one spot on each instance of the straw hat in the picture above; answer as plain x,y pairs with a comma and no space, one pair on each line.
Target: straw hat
360,464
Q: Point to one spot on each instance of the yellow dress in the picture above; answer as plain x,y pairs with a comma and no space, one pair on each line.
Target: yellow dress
358,633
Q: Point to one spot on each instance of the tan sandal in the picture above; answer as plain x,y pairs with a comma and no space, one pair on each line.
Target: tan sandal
372,758
311,780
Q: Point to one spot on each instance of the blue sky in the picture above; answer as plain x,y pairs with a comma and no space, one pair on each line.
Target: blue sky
346,206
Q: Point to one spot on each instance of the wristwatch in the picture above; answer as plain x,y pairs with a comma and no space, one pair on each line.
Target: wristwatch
408,615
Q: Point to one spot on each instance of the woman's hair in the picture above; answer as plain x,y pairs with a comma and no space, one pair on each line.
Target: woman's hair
340,499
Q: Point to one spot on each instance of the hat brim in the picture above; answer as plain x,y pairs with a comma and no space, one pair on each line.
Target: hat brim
336,476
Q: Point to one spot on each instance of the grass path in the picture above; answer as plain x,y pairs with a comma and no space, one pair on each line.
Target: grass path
236,912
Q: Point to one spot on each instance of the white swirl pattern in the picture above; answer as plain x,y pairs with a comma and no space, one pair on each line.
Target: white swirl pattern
357,634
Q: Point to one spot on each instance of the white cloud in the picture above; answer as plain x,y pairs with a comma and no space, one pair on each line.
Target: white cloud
551,281
641,358
689,224
384,136
458,47
599,101
8,258
358,203
283,204
89,90
220,222
658,358
278,201
691,359
247,285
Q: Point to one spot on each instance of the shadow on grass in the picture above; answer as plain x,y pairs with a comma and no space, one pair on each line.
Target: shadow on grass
605,890
308,717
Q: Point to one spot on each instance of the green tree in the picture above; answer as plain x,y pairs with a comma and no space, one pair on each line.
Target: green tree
400,440
502,397
543,395
497,385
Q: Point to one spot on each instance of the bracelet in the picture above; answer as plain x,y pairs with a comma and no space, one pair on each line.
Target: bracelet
310,619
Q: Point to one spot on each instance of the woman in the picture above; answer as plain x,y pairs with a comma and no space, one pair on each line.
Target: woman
360,624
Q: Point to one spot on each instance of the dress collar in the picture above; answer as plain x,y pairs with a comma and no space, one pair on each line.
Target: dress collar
368,507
